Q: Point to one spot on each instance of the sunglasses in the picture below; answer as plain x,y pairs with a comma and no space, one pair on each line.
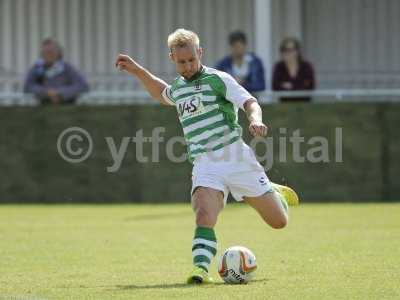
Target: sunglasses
289,50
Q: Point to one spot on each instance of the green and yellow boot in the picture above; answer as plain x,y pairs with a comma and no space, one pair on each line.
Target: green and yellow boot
199,276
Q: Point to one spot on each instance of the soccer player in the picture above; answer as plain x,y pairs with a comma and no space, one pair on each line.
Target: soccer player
207,102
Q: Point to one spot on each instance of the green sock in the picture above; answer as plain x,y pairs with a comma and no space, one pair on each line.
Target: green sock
204,247
283,201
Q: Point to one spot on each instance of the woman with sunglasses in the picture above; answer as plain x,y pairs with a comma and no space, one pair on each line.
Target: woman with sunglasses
292,72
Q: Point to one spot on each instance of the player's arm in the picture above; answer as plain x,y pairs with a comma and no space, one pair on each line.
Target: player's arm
239,96
154,85
254,115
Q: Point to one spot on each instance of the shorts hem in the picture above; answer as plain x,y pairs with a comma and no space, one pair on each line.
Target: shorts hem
213,186
269,190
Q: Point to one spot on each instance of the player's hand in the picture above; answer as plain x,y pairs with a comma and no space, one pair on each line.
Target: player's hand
126,63
258,129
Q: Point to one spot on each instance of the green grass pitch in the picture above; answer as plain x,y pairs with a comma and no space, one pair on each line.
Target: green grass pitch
328,251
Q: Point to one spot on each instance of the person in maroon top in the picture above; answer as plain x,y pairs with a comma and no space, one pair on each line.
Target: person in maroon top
293,73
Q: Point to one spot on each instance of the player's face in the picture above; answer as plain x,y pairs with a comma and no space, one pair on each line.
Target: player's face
187,60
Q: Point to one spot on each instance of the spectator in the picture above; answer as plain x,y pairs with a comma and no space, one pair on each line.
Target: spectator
244,66
292,73
52,80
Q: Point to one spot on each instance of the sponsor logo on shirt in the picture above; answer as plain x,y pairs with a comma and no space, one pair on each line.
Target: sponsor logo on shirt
190,107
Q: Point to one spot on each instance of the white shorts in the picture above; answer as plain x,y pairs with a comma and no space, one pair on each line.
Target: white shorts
234,169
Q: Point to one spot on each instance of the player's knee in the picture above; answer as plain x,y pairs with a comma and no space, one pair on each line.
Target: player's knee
205,209
279,223
203,214
203,217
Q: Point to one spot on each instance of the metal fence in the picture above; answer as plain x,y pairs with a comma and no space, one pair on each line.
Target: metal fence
139,97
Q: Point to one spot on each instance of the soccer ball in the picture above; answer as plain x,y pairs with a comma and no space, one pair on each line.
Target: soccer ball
237,265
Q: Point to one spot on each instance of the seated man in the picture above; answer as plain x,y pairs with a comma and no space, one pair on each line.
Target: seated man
244,66
53,81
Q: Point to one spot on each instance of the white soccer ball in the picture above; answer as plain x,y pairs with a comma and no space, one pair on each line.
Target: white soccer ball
237,265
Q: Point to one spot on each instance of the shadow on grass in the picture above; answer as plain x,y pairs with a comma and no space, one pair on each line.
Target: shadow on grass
176,285
163,286
157,216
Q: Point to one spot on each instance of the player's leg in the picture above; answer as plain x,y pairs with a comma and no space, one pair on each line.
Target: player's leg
247,181
272,207
207,204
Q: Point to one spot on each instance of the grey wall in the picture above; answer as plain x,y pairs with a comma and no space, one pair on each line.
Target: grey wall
353,43
94,31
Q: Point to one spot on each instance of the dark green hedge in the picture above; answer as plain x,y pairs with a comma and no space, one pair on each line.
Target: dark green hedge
31,169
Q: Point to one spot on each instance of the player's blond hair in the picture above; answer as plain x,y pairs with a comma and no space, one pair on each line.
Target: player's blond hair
183,38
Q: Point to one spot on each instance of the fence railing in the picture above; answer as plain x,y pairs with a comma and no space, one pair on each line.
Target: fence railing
141,97
329,95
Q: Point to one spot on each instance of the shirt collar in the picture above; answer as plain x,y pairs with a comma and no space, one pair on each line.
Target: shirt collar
197,75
